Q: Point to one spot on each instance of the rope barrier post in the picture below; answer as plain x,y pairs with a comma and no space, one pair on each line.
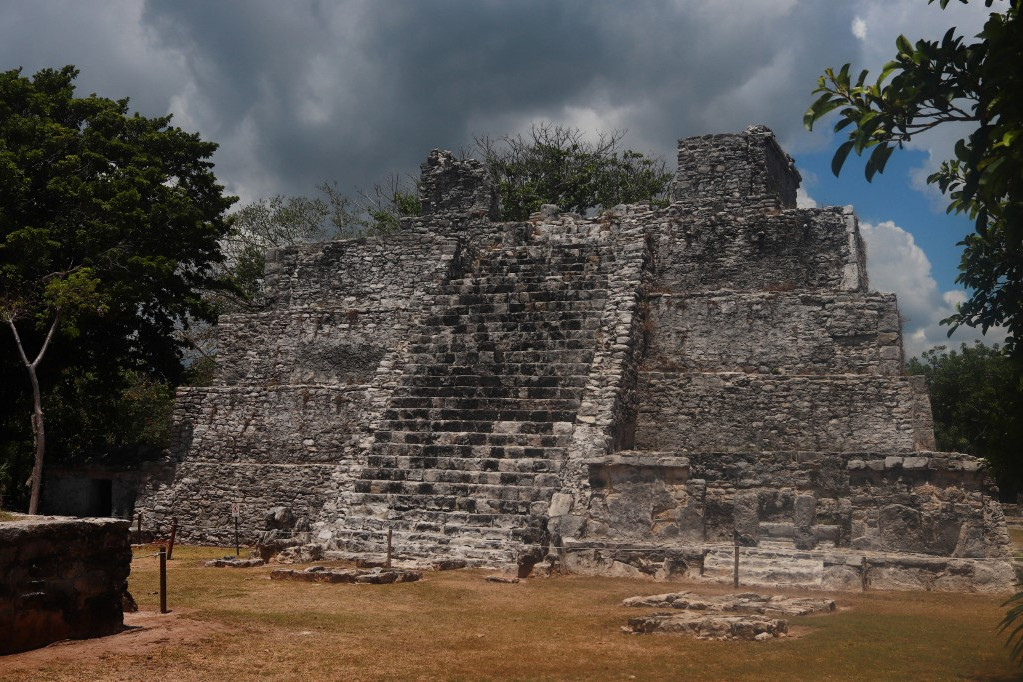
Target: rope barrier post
237,547
863,572
163,579
174,531
138,536
735,572
387,564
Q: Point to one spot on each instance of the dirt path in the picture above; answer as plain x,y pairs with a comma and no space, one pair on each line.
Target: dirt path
145,632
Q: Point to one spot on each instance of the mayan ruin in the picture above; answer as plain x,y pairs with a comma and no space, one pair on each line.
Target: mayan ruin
632,393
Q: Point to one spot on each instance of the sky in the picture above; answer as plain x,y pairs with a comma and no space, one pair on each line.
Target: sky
354,91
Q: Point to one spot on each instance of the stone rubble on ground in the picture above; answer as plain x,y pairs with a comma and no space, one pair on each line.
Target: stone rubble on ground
319,574
745,602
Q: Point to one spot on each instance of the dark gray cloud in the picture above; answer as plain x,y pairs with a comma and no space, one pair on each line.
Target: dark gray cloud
310,90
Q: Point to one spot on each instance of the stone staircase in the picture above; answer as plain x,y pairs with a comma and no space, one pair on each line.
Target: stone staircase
471,443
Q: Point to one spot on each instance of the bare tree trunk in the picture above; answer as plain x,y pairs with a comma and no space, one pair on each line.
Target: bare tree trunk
40,437
38,431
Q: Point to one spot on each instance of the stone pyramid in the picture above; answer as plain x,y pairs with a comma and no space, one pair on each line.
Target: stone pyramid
636,393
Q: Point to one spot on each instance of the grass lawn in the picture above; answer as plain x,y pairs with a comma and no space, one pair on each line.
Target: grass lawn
454,625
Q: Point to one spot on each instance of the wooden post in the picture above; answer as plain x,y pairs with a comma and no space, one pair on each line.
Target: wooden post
387,564
174,531
163,579
237,547
863,572
138,538
735,573
735,570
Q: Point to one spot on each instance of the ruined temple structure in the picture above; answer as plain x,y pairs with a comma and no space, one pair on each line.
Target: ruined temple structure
630,394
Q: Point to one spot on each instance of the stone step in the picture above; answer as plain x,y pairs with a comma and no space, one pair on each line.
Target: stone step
496,403
505,440
538,425
442,369
430,475
406,496
484,334
477,545
434,345
430,416
550,461
468,388
502,357
760,566
471,384
486,300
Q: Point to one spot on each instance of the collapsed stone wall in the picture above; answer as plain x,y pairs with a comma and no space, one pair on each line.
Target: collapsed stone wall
61,578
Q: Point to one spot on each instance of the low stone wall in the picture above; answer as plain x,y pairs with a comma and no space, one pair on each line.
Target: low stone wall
61,578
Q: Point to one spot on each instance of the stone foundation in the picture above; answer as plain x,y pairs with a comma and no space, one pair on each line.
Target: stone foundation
61,578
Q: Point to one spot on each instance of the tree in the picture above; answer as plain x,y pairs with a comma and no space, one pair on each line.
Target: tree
110,225
977,399
556,165
936,83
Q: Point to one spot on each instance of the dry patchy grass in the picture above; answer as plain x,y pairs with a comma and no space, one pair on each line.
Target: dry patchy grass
454,625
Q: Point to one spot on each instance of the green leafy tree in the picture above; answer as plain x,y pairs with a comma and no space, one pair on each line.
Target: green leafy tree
110,225
977,401
953,81
556,165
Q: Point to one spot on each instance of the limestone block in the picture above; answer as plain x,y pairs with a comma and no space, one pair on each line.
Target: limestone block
804,516
745,514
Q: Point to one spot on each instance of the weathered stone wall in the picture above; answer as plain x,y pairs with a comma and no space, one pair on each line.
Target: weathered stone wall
743,167
61,578
358,274
272,425
451,186
707,250
736,412
307,346
200,496
772,333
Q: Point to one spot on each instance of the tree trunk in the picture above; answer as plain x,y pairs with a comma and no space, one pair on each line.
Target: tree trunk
38,431
40,438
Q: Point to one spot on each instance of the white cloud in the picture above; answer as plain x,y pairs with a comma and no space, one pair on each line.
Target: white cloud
859,28
804,200
895,263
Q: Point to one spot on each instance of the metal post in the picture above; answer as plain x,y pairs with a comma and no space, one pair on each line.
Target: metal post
174,531
163,580
237,547
387,564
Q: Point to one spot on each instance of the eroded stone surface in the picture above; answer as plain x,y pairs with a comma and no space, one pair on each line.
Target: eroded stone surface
709,626
61,578
233,562
746,602
319,574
